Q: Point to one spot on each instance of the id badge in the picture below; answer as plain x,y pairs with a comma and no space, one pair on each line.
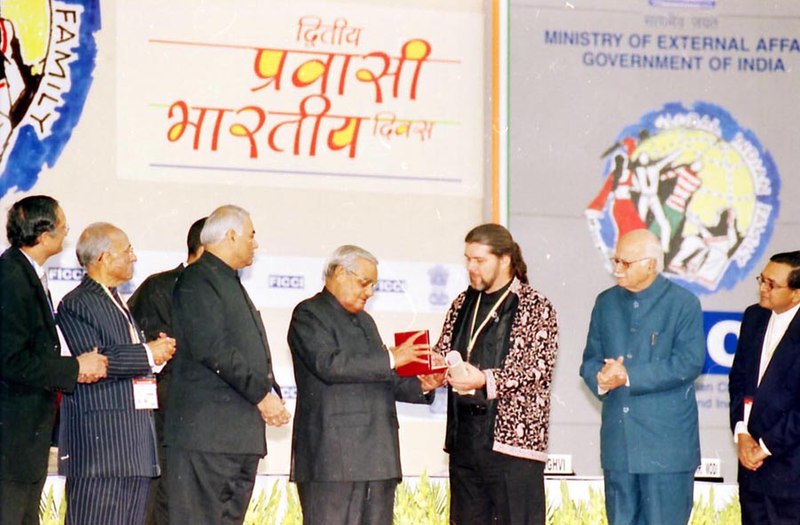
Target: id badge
145,393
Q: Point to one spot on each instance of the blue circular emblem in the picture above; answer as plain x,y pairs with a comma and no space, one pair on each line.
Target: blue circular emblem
48,54
699,181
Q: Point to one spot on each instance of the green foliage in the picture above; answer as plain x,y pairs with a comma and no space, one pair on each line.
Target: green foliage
294,514
428,503
592,511
579,512
705,513
283,501
422,502
51,513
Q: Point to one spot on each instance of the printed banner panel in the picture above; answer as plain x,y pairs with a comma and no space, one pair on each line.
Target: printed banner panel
329,96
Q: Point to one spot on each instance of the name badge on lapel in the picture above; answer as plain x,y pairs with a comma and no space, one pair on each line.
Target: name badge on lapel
145,393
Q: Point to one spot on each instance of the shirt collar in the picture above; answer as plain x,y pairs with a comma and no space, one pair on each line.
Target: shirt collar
36,268
788,315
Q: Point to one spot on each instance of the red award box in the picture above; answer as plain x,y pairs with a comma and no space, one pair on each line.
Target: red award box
417,369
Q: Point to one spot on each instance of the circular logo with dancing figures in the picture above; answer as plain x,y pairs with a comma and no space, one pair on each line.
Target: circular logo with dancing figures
47,55
703,184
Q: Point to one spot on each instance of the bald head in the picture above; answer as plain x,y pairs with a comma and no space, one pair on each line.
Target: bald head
646,243
106,253
94,240
639,260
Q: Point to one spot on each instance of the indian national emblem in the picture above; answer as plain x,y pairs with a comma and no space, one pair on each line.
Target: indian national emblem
438,276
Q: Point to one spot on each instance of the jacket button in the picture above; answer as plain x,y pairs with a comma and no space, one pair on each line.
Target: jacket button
625,410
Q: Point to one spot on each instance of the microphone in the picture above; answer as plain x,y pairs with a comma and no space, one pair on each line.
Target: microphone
457,369
455,364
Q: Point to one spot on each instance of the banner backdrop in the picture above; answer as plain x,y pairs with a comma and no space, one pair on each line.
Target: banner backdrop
301,94
352,122
673,116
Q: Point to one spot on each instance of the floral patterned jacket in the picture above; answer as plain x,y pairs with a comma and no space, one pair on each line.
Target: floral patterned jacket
521,386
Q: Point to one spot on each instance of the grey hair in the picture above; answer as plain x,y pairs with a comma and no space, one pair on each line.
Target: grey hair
221,220
651,249
94,240
345,256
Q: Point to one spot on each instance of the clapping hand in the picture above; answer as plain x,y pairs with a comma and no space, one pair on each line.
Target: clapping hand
613,374
92,366
162,348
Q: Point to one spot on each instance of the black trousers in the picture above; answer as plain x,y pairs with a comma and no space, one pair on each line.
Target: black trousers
761,509
206,488
487,487
157,510
19,502
347,502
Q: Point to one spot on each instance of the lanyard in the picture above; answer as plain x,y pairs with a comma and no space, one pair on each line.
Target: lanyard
473,334
122,307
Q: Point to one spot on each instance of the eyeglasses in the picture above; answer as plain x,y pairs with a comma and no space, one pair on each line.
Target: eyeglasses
60,230
626,264
769,284
363,281
127,252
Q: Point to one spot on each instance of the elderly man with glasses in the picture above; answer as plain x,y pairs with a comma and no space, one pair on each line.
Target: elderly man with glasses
31,367
107,447
644,350
765,397
345,447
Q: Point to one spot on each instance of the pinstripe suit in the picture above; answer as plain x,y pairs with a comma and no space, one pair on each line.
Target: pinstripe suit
102,434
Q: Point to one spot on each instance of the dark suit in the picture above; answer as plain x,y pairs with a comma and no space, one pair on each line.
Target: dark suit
151,306
775,413
345,424
102,434
31,370
222,370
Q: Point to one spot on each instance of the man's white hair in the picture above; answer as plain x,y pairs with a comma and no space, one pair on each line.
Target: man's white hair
222,220
94,240
346,256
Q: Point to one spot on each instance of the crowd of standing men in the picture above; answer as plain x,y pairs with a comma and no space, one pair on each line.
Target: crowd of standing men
165,397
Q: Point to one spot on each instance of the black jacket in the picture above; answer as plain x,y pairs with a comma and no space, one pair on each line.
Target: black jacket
222,365
775,413
345,423
31,370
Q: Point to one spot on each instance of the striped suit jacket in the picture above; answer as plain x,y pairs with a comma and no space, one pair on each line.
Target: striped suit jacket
102,434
